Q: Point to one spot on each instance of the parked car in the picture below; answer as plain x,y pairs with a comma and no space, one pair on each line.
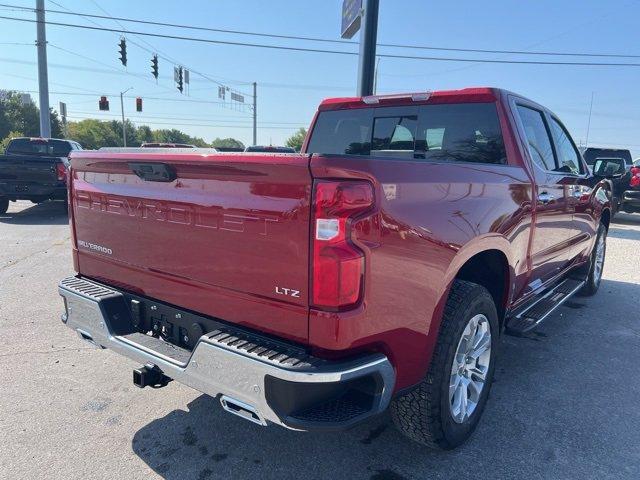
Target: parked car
377,268
34,169
631,195
617,186
269,149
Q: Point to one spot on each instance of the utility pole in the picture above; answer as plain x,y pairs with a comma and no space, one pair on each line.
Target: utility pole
368,39
255,114
124,129
43,77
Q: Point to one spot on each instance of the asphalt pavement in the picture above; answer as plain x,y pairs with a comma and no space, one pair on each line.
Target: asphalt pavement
565,403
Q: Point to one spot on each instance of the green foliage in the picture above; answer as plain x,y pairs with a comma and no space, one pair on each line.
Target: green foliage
227,143
93,134
18,117
176,136
297,139
23,120
5,142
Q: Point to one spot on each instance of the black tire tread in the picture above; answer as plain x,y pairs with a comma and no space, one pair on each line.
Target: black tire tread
417,414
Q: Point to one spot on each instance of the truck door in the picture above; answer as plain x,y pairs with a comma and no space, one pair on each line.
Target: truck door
550,251
569,160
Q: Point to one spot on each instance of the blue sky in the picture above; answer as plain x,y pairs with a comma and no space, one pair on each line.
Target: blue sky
290,84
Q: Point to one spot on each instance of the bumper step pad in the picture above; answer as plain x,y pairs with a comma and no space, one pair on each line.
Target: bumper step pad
276,381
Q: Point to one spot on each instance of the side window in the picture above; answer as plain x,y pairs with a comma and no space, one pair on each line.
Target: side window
394,136
460,132
538,140
342,132
568,158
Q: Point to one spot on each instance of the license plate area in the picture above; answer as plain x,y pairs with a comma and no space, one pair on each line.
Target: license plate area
173,325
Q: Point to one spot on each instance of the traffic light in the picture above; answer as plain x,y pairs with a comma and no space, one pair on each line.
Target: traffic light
123,51
138,104
177,76
154,66
103,103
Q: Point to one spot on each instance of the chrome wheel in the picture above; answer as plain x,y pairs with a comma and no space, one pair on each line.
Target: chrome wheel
470,368
598,261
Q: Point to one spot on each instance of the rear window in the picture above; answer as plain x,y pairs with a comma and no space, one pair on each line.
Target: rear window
591,154
443,133
26,146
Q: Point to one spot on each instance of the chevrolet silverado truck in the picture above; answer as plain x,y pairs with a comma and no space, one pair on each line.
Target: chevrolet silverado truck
34,169
376,269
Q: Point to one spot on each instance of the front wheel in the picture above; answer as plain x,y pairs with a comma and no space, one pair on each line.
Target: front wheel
445,408
4,205
596,264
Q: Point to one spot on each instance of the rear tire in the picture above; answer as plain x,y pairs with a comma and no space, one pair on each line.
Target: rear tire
596,263
432,413
4,205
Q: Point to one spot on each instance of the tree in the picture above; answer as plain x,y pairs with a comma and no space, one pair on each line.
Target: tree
144,134
227,143
93,134
5,142
176,136
17,115
297,139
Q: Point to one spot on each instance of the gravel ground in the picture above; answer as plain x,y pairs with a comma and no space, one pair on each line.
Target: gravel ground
564,405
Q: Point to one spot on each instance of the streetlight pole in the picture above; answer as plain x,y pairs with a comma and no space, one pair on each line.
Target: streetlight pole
124,129
43,76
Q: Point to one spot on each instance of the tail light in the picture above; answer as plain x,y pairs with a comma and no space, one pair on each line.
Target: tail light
635,177
338,264
61,172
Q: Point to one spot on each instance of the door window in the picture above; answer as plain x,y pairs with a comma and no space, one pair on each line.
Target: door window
568,157
538,140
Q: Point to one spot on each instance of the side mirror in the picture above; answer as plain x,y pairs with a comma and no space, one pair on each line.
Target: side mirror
609,167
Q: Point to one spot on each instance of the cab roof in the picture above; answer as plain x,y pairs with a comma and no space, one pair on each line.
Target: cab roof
473,94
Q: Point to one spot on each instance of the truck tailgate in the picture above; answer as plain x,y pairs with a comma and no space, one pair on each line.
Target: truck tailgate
227,237
23,170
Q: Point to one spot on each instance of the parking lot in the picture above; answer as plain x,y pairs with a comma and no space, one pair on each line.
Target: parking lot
564,403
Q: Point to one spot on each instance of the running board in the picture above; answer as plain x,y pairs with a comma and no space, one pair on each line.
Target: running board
539,310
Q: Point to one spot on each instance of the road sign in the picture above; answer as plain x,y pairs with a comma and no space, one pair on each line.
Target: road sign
351,15
63,112
237,97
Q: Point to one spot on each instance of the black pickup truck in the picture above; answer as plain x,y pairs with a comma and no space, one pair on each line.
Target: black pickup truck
34,169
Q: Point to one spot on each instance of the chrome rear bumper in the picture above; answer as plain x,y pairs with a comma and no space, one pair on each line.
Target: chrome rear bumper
236,365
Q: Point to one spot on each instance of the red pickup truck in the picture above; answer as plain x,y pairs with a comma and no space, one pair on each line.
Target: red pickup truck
377,268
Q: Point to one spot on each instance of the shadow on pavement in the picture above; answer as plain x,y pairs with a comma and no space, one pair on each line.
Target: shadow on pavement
46,213
561,407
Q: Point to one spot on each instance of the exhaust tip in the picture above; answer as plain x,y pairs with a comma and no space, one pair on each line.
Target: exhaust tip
242,410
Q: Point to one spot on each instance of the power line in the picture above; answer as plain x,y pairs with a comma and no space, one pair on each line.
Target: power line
153,50
330,40
334,52
162,116
196,124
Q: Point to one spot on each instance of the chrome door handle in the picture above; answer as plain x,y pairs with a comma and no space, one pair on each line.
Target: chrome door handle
545,197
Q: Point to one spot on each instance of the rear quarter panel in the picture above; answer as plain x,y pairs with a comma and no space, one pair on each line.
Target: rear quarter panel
431,218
